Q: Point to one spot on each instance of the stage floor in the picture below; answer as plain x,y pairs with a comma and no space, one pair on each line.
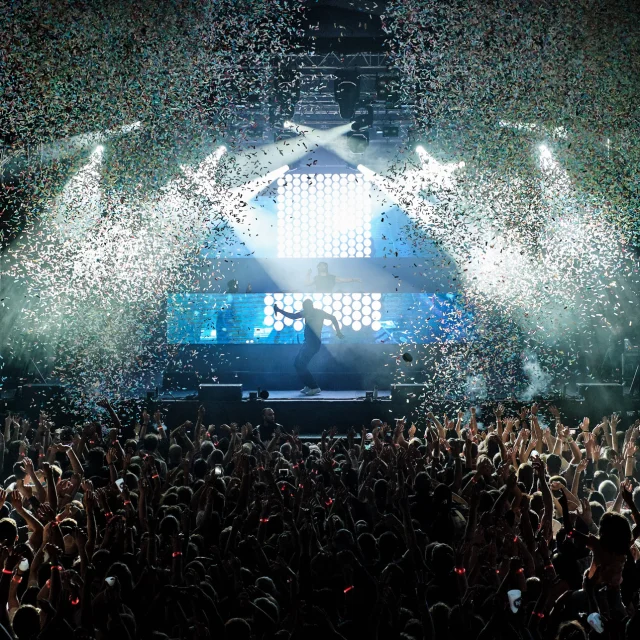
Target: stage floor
325,395
285,395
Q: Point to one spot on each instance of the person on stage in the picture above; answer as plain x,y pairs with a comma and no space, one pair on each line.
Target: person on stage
325,282
313,321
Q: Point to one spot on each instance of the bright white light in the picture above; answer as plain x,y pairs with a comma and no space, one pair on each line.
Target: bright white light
366,172
221,150
420,150
98,150
547,162
130,127
330,214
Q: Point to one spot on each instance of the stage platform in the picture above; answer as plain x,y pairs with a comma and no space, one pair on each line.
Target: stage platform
286,395
311,414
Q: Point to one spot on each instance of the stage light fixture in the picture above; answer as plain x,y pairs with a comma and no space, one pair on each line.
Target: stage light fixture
363,118
347,93
389,131
387,89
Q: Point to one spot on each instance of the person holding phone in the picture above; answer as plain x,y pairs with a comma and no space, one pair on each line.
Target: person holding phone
313,319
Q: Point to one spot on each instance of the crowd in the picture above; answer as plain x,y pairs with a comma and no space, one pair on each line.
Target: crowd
503,529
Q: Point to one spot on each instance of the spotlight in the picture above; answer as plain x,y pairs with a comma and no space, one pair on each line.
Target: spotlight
221,150
387,90
347,94
390,132
358,141
546,158
363,120
98,150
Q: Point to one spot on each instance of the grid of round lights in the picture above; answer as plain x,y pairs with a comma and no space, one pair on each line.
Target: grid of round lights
324,215
355,310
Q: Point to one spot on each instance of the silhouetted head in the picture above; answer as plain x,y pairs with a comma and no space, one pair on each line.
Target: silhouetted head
323,268
307,305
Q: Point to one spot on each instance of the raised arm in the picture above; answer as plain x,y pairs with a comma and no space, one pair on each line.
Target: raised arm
287,314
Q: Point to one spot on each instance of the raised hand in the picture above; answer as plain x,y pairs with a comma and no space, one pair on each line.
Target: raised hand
586,510
16,500
629,450
27,463
538,467
626,489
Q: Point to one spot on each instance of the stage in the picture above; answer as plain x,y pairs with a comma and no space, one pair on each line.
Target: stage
342,409
346,409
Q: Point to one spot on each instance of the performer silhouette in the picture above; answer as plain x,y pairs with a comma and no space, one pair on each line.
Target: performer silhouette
313,321
325,282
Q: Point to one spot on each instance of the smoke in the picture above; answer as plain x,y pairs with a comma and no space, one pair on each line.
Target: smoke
538,378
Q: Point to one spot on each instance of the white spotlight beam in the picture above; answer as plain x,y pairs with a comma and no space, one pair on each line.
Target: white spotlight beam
251,189
439,173
405,194
261,159
74,144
